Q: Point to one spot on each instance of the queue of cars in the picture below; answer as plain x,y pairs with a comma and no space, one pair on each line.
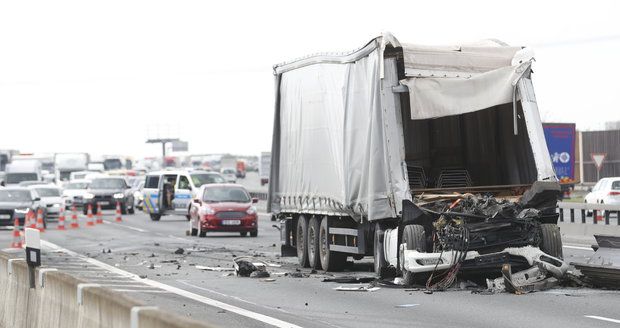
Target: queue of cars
209,200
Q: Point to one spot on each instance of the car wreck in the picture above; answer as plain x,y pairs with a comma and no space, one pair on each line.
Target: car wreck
431,159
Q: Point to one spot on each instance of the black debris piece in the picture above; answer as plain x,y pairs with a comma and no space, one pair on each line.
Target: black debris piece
179,251
245,268
259,274
350,280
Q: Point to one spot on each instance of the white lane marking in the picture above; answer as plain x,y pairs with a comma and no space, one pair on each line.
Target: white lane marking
202,299
216,292
578,247
125,226
602,318
178,238
154,291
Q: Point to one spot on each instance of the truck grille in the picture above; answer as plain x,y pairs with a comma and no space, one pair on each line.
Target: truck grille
230,215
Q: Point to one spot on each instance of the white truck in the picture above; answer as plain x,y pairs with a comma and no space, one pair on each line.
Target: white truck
429,158
23,170
66,163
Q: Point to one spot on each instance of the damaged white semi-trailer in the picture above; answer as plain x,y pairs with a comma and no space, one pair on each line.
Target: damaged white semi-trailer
417,155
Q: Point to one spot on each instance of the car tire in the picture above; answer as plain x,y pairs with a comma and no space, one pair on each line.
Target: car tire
254,233
85,210
551,240
202,234
243,234
380,263
414,238
155,217
131,210
194,232
314,226
330,260
301,241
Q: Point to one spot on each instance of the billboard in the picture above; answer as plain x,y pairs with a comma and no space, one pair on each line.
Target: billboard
560,139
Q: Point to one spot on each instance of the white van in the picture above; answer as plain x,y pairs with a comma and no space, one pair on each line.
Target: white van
171,192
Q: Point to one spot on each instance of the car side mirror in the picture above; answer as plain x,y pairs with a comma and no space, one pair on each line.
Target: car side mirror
254,200
37,199
590,189
197,201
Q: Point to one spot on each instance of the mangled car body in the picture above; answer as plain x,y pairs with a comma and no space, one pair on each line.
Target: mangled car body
432,159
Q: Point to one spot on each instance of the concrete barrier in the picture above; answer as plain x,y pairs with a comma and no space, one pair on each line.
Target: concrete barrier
60,300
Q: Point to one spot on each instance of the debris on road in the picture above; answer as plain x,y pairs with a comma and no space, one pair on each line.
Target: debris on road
350,280
207,268
603,268
259,274
406,305
357,289
244,268
179,251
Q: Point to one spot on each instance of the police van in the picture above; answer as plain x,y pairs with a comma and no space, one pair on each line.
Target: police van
171,192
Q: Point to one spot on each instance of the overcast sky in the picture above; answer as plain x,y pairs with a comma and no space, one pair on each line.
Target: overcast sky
102,76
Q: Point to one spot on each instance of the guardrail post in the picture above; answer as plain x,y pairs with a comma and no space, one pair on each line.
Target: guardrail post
572,215
607,217
583,216
561,214
594,216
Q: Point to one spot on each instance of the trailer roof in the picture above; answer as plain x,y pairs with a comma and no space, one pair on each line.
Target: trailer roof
424,60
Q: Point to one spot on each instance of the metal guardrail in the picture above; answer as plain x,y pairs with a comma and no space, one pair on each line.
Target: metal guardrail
261,195
597,210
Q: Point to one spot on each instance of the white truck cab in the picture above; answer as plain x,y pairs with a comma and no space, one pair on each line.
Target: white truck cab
171,192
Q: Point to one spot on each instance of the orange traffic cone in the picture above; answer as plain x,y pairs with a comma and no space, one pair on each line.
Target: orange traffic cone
118,212
99,214
40,225
30,221
74,218
17,237
61,218
89,215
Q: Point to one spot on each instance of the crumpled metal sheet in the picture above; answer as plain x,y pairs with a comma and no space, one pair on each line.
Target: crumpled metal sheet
603,268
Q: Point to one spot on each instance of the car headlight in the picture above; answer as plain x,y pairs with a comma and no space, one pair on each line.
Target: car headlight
118,195
207,210
251,210
89,196
21,210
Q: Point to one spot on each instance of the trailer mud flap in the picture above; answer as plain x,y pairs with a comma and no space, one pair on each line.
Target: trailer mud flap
286,236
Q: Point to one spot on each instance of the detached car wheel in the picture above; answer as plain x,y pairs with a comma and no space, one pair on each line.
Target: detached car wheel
415,239
551,242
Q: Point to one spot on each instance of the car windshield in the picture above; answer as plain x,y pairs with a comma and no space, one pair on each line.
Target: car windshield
76,185
107,184
200,179
15,196
48,192
226,194
19,177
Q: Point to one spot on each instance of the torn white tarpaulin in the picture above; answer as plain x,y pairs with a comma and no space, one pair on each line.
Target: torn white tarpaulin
357,289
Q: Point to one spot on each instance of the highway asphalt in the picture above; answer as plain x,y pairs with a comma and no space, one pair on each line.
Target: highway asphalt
137,257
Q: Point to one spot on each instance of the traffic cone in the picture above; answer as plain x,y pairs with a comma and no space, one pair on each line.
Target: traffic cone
89,215
30,221
99,214
40,225
61,219
118,212
74,218
17,237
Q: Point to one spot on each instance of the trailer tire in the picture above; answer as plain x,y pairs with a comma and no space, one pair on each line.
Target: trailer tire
414,238
301,241
551,242
379,252
330,260
314,227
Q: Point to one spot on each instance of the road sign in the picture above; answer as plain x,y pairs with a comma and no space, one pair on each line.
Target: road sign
598,159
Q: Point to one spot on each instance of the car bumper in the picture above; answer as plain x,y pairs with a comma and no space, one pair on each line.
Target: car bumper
10,221
246,224
105,204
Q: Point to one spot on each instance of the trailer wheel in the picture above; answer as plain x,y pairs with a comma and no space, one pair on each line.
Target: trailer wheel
414,238
379,253
330,260
551,240
314,226
301,241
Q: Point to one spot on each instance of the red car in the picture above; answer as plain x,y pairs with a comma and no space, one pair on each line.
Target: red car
223,208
